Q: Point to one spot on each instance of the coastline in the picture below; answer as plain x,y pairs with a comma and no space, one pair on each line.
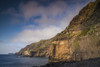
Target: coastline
95,62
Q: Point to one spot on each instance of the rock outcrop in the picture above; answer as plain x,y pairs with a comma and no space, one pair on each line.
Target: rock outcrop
79,41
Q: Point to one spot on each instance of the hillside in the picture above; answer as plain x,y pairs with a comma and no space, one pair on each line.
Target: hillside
79,41
35,49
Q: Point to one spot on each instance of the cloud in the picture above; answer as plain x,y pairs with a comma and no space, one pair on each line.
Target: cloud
56,8
51,12
29,9
33,8
54,18
45,21
29,35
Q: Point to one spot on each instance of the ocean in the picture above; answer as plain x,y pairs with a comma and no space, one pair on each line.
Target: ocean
18,61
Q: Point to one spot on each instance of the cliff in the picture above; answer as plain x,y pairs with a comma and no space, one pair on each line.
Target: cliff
38,49
79,41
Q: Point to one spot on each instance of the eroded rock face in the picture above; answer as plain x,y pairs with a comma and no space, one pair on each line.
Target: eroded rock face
59,50
81,39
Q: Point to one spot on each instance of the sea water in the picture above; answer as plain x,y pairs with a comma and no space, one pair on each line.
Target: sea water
18,61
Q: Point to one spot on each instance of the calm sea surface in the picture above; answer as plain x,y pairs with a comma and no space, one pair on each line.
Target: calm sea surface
18,61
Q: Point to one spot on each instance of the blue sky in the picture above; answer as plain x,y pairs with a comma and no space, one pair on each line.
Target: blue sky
26,21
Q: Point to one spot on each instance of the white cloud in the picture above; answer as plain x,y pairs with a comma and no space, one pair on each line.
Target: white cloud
30,9
29,36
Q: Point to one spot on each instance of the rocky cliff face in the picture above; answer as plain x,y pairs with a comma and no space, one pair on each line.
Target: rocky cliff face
79,41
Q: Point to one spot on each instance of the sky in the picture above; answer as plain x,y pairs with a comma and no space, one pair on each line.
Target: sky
23,22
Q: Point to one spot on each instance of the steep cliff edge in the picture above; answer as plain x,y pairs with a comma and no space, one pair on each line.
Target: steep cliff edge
79,41
38,49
